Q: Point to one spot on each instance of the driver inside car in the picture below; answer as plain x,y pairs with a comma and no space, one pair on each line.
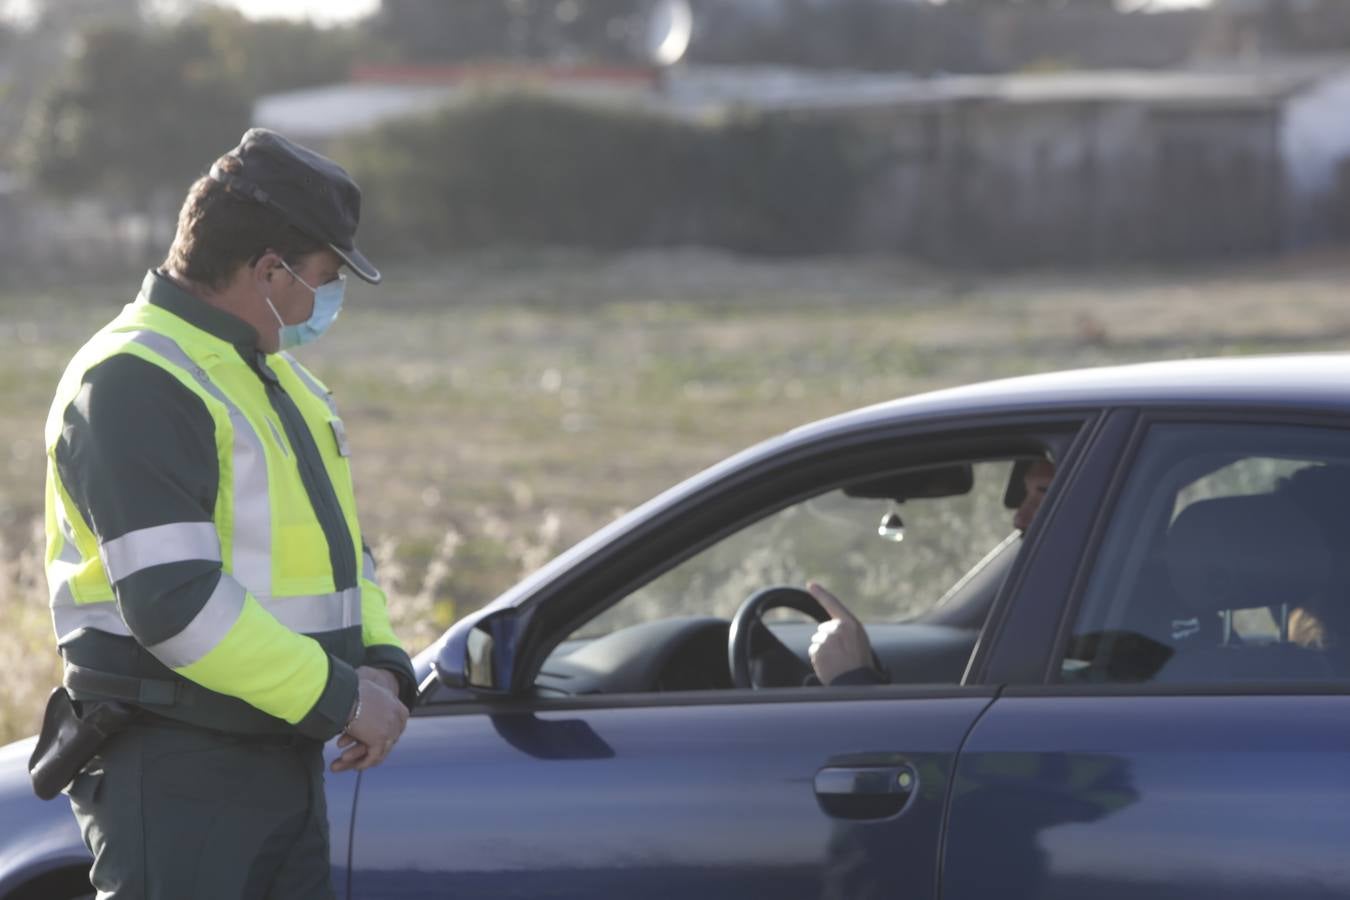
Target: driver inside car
840,652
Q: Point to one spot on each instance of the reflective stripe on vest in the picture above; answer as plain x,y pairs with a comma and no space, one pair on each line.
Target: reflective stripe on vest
312,383
251,552
207,629
67,532
313,615
68,616
305,614
71,618
70,554
156,546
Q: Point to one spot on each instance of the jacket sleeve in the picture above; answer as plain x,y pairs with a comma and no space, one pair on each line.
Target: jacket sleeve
382,647
137,455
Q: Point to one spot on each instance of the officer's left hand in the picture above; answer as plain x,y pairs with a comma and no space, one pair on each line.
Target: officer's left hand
383,677
357,755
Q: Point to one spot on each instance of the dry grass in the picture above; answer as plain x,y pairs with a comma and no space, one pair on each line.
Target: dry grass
26,641
502,407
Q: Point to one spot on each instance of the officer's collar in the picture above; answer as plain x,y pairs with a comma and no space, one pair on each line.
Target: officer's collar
160,290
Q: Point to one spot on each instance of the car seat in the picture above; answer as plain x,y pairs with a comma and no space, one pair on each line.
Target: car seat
1245,552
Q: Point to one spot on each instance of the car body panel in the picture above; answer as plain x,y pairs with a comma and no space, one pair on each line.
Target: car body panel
35,836
715,801
1167,797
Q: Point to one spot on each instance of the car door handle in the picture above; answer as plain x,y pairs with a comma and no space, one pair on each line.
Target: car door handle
865,792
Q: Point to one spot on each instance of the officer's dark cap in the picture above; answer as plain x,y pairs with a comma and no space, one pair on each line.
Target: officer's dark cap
310,191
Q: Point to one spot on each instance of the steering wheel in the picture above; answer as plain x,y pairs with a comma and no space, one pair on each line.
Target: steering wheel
747,626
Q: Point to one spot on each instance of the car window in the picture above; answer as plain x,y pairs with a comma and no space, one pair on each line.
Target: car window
1227,560
888,561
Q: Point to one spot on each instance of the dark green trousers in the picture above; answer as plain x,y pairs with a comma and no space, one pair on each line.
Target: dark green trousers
172,812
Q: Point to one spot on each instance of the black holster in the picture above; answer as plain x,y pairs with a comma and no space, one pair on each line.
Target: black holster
72,733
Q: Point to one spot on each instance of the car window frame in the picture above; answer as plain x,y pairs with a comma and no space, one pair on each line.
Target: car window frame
837,451
1111,501
864,523
1018,634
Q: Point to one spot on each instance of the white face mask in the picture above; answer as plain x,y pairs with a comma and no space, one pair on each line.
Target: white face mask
327,304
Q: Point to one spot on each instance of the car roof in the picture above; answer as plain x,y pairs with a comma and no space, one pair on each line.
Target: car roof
1301,381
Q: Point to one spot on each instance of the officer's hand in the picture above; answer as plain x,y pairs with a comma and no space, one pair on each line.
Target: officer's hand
839,645
356,753
353,754
383,677
372,734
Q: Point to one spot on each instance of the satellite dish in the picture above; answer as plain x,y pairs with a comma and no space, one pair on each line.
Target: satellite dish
670,24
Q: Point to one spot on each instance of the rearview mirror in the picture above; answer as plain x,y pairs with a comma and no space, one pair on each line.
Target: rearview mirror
479,653
927,483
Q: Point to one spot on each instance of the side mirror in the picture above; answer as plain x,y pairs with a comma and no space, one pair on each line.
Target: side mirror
479,653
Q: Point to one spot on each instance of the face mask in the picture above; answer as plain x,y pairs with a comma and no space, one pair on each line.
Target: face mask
327,305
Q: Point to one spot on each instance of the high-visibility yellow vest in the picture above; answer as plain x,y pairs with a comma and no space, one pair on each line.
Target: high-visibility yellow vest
277,583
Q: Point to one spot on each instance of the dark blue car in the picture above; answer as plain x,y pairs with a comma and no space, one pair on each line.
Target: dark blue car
1143,695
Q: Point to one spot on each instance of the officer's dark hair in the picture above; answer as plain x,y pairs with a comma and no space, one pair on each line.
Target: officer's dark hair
219,230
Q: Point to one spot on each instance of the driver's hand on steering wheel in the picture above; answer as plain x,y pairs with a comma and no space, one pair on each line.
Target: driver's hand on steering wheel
839,645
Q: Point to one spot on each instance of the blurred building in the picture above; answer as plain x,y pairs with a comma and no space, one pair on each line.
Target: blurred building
1089,167
1081,167
1265,28
377,94
928,37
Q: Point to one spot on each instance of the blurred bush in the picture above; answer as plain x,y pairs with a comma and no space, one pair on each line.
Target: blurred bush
525,169
143,110
135,108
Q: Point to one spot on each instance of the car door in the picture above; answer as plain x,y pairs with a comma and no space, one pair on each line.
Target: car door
1189,735
790,792
839,797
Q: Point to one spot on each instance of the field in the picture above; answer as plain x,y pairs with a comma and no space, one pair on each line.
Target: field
503,406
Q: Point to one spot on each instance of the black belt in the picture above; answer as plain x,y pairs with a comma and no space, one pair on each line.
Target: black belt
152,691
283,741
148,693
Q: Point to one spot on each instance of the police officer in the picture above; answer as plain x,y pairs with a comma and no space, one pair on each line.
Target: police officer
203,552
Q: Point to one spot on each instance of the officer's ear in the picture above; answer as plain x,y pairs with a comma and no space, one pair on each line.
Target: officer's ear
264,266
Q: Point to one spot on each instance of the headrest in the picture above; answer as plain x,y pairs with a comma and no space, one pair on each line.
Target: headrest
1245,552
1322,491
